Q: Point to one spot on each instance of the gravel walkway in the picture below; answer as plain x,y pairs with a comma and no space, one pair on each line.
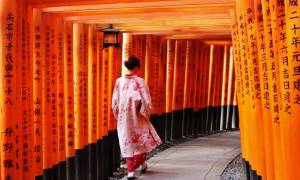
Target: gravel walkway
234,170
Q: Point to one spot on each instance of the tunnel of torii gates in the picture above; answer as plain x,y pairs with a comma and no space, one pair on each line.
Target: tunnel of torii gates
57,80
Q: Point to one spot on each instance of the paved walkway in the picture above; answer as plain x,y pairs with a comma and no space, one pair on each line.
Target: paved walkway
202,158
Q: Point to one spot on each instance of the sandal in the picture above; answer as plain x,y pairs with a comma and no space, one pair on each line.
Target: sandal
144,170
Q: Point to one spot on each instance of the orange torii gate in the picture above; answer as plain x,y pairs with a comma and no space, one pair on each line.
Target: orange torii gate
266,32
57,81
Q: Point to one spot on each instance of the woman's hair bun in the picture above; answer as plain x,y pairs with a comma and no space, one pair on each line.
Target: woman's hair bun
132,63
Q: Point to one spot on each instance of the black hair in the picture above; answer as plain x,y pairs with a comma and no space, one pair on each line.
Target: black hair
132,63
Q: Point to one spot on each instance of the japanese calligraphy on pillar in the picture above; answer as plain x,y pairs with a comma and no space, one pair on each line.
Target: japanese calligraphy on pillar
10,154
60,90
252,45
53,89
112,61
244,56
48,95
236,58
264,86
24,76
291,93
263,58
69,89
280,38
292,71
80,82
244,80
92,83
105,71
38,65
247,62
84,75
99,62
272,64
273,75
257,125
236,39
280,52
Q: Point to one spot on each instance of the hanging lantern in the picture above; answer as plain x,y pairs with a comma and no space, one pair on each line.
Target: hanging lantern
110,37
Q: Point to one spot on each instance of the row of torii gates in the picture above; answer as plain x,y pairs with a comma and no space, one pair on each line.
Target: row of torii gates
210,66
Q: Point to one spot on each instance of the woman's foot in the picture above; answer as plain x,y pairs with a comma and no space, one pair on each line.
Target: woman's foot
144,168
130,176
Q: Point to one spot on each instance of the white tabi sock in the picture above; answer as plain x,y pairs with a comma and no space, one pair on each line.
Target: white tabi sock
130,174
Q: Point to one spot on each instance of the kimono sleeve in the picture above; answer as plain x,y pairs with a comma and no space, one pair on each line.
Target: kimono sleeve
146,101
115,99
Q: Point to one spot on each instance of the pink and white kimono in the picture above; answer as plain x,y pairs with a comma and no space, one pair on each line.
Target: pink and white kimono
131,105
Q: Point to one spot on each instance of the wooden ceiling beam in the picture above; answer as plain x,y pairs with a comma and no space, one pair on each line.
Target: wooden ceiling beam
216,22
211,28
174,30
142,5
148,17
221,24
62,5
115,22
184,18
140,11
204,37
219,42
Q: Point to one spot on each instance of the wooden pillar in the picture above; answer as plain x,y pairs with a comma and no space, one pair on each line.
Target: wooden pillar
257,125
60,97
178,88
99,37
38,66
291,88
69,98
273,82
240,83
169,86
92,84
205,94
196,86
126,49
263,67
225,80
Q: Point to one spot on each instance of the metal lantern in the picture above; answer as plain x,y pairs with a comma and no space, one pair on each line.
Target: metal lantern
110,37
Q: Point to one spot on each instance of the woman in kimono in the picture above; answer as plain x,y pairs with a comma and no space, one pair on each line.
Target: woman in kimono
131,105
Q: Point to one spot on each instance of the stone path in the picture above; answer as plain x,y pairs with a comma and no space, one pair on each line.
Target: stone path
204,158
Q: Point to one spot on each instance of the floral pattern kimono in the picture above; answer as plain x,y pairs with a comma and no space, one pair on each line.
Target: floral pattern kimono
131,105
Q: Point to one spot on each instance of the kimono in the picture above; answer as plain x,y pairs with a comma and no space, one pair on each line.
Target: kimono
131,105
